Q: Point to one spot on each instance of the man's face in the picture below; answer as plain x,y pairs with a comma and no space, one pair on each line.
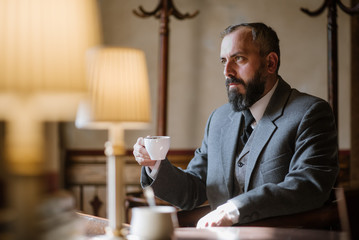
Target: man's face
254,89
244,69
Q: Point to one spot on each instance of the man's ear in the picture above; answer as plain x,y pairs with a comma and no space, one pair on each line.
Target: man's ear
272,62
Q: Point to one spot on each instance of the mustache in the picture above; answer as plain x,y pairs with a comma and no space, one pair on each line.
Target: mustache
234,80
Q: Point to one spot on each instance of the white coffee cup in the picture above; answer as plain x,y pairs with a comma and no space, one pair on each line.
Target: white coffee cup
157,146
156,222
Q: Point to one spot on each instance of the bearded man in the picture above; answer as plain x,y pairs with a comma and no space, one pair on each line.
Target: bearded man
270,151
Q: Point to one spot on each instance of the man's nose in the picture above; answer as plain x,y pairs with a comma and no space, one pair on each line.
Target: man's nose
229,70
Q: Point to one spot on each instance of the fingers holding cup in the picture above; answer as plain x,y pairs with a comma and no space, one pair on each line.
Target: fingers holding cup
141,155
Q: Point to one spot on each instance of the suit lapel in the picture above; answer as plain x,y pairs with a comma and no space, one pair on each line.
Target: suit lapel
261,136
229,136
266,127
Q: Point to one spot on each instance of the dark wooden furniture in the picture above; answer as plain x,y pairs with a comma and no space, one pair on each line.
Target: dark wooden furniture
324,218
348,205
97,226
268,233
85,178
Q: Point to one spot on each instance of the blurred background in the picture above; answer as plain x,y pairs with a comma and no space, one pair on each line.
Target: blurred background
74,157
196,82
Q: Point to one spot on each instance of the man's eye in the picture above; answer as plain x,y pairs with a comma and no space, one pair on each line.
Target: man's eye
238,58
223,61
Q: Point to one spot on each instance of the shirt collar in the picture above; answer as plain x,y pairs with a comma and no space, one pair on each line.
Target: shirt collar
258,108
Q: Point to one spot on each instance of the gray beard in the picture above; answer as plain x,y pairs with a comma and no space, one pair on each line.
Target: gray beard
254,91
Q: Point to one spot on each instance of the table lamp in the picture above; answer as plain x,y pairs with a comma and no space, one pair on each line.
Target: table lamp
42,72
42,79
118,100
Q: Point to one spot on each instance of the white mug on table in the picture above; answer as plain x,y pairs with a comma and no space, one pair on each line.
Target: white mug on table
156,222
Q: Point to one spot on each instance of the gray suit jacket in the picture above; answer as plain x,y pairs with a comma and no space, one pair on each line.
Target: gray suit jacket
292,163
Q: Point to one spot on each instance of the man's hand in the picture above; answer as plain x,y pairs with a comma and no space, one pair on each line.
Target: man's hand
215,218
141,155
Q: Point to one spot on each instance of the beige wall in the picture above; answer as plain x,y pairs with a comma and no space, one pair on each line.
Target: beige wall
196,82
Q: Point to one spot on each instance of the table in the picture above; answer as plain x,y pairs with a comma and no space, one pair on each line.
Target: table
267,233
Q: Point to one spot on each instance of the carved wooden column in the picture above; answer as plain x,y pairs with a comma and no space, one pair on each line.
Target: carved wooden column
332,46
333,71
354,124
163,11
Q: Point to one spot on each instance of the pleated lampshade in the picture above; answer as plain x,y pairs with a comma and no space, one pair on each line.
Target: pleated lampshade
118,87
42,69
43,44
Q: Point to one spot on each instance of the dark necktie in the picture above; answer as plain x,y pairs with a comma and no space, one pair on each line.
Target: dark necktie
248,120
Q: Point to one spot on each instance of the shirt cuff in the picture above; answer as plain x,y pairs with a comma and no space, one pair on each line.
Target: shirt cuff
153,173
232,211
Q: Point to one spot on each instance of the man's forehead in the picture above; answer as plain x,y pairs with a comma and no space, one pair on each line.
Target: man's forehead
245,32
240,39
